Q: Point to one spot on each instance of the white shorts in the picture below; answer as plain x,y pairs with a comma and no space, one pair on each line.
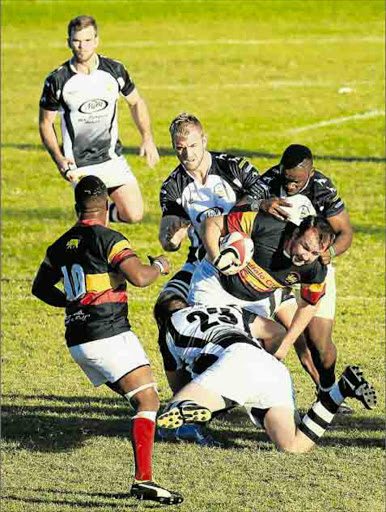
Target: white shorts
327,303
206,288
250,377
114,173
109,359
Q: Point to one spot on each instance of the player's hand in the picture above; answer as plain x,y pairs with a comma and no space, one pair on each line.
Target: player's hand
150,151
227,263
272,206
325,257
64,164
161,262
173,233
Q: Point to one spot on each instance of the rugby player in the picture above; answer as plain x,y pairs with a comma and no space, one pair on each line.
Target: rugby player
284,254
85,91
229,367
95,262
296,174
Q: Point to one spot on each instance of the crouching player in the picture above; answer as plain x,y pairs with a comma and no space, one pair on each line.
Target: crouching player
95,262
229,367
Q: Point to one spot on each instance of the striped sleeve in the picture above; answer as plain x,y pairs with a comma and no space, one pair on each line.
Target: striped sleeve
241,221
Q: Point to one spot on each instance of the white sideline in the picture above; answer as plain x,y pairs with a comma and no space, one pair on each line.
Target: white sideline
339,120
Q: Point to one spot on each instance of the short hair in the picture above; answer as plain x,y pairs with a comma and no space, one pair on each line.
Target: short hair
323,227
166,305
81,22
294,155
181,124
90,189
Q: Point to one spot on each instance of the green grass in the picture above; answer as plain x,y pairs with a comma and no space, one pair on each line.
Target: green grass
255,72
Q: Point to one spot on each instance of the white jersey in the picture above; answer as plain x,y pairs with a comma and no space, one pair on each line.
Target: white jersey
88,108
196,336
215,346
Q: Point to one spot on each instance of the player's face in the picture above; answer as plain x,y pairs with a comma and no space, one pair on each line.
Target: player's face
295,179
306,248
83,44
190,149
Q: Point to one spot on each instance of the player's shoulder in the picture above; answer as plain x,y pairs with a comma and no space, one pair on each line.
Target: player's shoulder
60,74
177,179
321,181
113,66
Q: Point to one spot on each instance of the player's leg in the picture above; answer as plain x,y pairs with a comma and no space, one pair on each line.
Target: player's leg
128,203
269,331
324,353
280,426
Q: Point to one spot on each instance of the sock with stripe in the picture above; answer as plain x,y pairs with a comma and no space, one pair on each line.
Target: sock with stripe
113,213
142,438
322,412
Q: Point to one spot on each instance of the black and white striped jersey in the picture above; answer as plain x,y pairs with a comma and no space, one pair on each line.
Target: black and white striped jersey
228,179
196,336
320,191
88,108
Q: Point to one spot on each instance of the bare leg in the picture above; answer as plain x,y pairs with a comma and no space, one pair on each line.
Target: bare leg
128,199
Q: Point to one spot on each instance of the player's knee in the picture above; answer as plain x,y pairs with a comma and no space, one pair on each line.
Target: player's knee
147,400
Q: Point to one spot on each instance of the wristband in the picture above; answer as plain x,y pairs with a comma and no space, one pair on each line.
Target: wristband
159,265
331,250
253,203
64,174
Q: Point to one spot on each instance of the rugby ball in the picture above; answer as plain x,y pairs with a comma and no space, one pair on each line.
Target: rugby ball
239,244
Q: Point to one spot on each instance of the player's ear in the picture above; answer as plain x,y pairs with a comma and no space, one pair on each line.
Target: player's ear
69,42
96,41
77,210
204,141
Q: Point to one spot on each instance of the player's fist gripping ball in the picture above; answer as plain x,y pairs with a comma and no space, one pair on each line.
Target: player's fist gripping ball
236,251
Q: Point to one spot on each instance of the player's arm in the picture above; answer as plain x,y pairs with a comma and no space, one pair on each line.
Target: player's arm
341,226
141,117
44,288
173,230
211,232
301,319
141,275
50,140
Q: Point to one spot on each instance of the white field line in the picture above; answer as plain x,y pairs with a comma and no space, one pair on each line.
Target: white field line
203,42
254,85
339,120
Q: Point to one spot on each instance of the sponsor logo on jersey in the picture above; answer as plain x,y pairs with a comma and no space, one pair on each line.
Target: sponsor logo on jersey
210,212
92,106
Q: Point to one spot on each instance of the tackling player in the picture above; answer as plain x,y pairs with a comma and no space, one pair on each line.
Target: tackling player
296,174
85,91
229,367
94,262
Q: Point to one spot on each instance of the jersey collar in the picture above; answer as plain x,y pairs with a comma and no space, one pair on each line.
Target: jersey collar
89,222
93,68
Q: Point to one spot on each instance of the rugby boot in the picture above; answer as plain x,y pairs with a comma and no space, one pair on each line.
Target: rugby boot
149,490
191,432
352,384
183,412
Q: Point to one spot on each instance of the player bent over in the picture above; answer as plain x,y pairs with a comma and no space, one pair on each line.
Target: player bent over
95,262
228,366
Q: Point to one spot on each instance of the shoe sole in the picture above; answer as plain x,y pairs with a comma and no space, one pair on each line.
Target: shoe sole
172,500
177,416
363,390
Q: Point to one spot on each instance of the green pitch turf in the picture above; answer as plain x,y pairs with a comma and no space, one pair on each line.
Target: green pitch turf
260,75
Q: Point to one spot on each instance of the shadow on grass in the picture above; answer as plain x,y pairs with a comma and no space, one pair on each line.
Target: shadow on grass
53,427
112,500
163,151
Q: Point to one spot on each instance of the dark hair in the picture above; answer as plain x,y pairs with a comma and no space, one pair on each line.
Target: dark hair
166,305
81,22
325,231
89,189
294,155
181,124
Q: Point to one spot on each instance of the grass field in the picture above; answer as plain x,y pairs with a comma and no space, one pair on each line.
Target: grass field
260,75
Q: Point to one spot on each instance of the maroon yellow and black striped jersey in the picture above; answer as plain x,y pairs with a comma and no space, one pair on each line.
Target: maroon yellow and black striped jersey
271,267
87,259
